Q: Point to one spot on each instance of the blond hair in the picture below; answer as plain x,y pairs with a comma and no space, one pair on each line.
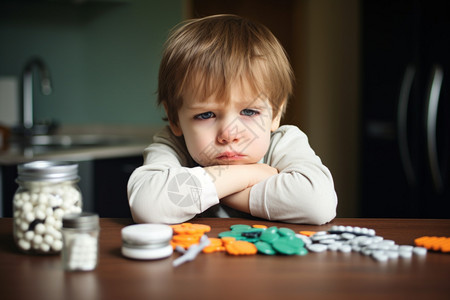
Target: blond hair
206,56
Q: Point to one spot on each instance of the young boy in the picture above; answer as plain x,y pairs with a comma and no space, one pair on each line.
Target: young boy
224,82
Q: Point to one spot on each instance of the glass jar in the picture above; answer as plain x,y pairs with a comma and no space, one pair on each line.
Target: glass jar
80,241
47,191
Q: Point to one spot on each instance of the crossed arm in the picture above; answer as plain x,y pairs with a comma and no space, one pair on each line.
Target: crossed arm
234,182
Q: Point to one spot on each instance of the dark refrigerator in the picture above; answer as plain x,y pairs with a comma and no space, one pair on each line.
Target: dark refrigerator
405,133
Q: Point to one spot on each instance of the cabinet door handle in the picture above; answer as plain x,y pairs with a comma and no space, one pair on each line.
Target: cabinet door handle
431,123
402,123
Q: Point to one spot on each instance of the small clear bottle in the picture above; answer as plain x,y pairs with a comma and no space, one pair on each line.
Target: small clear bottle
47,191
80,236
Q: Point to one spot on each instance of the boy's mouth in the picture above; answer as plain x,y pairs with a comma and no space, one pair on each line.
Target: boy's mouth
229,156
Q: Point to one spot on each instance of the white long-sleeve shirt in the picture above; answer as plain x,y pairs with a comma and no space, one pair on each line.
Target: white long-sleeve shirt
171,188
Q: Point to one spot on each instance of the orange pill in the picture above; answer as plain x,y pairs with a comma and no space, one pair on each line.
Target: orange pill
241,248
228,240
259,226
307,232
434,243
215,242
186,238
212,249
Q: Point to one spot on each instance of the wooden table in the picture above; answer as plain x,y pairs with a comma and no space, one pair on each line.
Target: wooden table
220,276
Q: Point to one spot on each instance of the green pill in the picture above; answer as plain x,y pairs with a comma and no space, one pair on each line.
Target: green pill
283,231
265,248
269,236
240,227
302,251
237,235
287,245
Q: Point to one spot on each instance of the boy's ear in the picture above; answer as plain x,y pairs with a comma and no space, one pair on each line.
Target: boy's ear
175,128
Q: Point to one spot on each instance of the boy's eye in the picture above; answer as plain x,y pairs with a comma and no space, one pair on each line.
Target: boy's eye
249,112
204,116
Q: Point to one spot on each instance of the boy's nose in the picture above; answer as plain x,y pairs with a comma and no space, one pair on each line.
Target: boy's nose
229,134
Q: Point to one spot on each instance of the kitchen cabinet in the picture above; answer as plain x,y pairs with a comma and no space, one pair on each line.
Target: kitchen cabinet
103,183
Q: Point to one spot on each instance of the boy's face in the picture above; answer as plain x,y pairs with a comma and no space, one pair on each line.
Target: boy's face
220,134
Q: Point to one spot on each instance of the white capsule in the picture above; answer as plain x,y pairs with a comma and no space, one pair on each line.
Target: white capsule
58,214
380,256
366,251
377,239
24,226
58,224
348,236
405,254
304,238
50,221
319,233
57,234
25,197
44,247
317,247
48,239
392,254
37,240
29,235
405,248
39,212
356,248
420,251
24,245
333,247
371,232
27,206
348,228
334,228
57,245
39,228
49,211
345,248
327,241
357,230
29,217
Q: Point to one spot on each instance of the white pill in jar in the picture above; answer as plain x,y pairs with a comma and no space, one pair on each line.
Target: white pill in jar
80,236
47,191
147,241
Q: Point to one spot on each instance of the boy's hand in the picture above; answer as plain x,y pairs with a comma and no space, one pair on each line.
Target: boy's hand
231,179
260,173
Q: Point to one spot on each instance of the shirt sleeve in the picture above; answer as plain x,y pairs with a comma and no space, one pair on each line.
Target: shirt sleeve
164,190
303,191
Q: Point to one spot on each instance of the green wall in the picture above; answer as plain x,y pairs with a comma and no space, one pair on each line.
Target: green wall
103,56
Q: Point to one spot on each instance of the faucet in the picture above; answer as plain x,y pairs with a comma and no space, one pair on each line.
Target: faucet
27,91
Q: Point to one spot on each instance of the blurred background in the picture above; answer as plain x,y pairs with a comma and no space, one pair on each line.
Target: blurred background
103,57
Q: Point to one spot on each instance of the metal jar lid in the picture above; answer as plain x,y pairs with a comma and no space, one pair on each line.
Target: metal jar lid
84,220
47,171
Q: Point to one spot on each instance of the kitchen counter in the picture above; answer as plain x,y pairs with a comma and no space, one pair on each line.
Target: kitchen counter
138,137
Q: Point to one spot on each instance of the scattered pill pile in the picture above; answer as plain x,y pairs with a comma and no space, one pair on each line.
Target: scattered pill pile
188,234
269,241
247,240
362,240
434,243
38,214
